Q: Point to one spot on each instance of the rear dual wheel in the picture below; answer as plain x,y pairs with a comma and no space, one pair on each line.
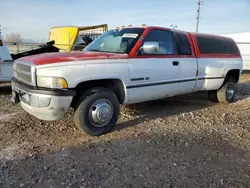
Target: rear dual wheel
97,111
226,93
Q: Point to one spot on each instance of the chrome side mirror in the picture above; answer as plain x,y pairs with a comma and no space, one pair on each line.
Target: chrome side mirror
150,47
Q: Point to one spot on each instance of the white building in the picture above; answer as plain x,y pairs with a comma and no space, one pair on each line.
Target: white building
243,42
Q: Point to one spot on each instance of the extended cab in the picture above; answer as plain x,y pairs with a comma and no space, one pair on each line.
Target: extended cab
125,66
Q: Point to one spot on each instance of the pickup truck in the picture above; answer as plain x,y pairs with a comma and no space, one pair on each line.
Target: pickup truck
125,66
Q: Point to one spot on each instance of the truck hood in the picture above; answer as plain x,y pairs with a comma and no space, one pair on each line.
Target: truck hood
58,57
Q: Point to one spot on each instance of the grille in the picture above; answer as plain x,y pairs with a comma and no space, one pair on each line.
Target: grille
24,72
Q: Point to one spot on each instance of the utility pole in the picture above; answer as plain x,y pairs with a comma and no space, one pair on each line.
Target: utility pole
0,29
198,16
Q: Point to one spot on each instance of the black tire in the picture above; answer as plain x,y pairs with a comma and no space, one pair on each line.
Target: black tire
212,95
84,120
223,95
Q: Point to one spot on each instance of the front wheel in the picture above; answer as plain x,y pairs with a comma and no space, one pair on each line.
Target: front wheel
226,93
97,112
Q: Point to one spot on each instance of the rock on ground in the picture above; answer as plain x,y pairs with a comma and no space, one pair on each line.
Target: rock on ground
184,141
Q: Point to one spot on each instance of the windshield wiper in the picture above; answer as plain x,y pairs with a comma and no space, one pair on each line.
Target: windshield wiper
95,50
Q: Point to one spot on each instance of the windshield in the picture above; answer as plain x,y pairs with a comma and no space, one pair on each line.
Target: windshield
116,41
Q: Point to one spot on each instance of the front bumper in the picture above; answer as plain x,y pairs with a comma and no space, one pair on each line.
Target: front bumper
45,104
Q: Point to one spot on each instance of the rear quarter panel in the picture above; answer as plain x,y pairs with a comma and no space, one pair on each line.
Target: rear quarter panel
212,71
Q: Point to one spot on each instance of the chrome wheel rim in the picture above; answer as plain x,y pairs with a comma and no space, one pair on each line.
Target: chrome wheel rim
100,112
230,90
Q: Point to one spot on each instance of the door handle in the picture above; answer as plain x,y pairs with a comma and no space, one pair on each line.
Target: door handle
175,63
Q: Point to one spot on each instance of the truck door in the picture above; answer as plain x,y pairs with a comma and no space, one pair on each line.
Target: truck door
187,59
155,75
6,62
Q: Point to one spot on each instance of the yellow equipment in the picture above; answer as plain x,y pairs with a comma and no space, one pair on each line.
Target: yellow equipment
68,38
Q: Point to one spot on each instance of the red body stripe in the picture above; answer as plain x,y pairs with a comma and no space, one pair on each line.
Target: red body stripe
48,58
219,56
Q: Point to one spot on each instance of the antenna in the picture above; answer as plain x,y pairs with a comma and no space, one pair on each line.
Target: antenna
173,26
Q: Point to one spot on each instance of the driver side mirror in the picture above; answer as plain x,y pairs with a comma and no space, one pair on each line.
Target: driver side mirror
150,47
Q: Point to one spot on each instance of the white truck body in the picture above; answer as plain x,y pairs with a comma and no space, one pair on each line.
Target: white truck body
6,62
212,72
182,65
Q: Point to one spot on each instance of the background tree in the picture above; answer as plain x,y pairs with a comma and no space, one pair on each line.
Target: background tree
13,38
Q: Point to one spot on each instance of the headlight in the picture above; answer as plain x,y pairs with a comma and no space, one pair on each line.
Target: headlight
51,82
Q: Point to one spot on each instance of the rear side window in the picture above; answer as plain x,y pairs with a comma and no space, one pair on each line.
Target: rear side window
183,43
1,43
212,45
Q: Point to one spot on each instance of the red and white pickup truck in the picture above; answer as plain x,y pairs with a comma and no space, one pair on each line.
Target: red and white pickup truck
125,66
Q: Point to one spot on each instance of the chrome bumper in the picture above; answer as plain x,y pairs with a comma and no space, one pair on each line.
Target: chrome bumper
43,104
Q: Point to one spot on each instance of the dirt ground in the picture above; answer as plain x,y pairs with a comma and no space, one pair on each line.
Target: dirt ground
184,141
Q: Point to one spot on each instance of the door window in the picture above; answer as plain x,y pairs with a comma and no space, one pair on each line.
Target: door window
165,41
183,43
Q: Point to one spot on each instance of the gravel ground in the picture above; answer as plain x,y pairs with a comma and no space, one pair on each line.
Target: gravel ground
184,141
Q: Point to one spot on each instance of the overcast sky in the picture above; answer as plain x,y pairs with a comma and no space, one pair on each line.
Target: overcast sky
33,18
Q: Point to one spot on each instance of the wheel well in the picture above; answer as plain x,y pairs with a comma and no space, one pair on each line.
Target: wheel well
115,85
234,73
